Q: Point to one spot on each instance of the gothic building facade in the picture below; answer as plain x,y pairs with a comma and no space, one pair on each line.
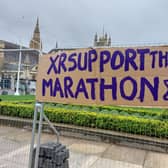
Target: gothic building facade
36,40
9,65
102,41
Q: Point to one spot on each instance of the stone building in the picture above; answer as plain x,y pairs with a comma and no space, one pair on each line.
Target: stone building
56,49
102,41
9,65
36,40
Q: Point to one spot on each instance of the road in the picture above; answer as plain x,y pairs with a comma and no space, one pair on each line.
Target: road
15,142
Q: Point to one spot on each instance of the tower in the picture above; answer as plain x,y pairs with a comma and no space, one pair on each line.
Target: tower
102,41
109,41
95,39
36,41
56,44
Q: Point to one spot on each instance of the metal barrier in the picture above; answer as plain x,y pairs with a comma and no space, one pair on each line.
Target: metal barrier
39,107
102,149
14,152
14,145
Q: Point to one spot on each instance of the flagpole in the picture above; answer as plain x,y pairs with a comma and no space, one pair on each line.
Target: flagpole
18,73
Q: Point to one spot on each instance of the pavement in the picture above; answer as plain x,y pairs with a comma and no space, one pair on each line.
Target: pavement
15,144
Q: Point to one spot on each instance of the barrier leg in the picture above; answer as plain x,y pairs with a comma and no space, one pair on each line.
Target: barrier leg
41,110
33,136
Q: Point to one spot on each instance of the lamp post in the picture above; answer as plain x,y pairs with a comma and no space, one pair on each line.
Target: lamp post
18,73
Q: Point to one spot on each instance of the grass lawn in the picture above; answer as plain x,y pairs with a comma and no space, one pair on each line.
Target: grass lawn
16,98
32,98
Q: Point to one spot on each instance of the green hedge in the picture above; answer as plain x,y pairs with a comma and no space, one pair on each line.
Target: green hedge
140,112
129,124
149,113
16,110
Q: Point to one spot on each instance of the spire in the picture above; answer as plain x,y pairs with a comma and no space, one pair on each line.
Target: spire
36,41
104,40
105,37
95,39
109,41
37,30
56,44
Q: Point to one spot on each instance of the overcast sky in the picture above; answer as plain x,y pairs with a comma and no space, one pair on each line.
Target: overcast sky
73,23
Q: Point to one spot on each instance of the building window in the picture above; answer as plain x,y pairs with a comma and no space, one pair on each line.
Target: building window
5,84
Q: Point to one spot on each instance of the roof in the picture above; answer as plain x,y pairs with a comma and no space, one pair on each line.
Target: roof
10,45
60,49
11,67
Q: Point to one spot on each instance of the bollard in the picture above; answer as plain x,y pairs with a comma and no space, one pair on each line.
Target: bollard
52,155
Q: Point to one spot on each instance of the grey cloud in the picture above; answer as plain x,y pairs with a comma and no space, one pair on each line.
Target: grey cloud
73,23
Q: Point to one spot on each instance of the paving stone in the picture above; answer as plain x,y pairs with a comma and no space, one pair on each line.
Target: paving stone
88,148
108,163
121,153
156,160
14,152
80,160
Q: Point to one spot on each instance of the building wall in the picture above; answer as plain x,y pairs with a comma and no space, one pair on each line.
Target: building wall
1,61
9,64
1,55
9,67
